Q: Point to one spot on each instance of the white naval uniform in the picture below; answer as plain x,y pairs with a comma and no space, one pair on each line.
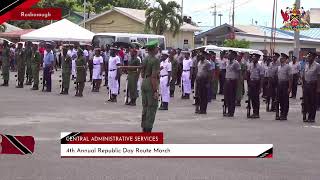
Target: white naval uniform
164,88
97,61
113,84
186,81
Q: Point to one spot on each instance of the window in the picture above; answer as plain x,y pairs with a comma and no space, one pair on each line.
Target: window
186,41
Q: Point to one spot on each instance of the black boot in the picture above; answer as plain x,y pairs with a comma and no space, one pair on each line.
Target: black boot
62,91
164,106
35,87
66,91
197,111
5,83
133,102
187,96
171,93
114,98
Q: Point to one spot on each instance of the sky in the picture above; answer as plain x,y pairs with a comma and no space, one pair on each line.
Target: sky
245,11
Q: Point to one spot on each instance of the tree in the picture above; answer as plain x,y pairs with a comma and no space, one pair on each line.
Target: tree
164,17
236,43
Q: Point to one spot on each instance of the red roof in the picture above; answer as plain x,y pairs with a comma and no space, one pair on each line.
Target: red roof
15,34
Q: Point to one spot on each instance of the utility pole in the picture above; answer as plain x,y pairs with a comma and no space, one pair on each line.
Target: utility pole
215,14
182,8
220,15
84,13
297,37
233,2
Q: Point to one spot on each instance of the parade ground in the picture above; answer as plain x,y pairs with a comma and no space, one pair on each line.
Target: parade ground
45,115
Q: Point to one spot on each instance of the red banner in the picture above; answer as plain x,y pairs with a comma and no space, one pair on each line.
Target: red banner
37,14
112,138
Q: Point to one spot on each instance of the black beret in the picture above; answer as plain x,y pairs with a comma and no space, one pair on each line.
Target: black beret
276,54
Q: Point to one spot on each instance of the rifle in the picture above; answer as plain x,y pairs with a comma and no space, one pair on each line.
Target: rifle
60,83
224,107
16,76
43,82
303,109
277,107
248,104
77,88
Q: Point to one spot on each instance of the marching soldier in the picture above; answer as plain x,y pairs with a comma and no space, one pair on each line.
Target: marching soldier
174,72
5,64
284,86
28,54
232,75
186,75
133,77
35,66
311,86
90,64
21,65
66,71
255,82
295,67
202,84
222,65
179,58
273,79
48,62
81,73
97,71
113,74
150,85
215,75
165,75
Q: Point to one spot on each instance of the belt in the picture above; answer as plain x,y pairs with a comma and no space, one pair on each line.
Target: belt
229,79
311,82
163,75
96,64
112,69
186,70
254,79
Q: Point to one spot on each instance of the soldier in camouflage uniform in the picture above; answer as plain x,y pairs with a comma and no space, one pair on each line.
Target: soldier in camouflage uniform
81,69
21,65
28,54
66,71
174,72
240,87
35,66
133,76
5,63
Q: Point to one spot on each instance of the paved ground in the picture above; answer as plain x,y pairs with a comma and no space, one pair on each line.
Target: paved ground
45,115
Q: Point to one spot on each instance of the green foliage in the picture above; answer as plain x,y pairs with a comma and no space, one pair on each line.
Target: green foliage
164,17
236,43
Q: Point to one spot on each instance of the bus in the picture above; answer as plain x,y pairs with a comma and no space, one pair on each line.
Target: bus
102,39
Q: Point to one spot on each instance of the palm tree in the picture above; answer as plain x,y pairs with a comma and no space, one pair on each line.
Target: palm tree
164,17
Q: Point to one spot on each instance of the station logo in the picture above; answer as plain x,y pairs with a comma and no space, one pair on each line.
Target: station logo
295,19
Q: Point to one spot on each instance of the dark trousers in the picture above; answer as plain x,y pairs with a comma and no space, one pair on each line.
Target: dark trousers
283,96
295,85
179,73
310,100
47,77
254,88
202,93
230,92
222,78
265,88
90,65
272,92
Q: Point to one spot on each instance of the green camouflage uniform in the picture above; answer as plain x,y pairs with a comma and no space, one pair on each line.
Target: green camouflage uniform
133,77
81,74
151,65
5,63
21,64
240,86
35,66
66,71
28,54
174,73
215,79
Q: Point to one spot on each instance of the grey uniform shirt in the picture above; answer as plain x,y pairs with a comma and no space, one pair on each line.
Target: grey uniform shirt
233,70
256,72
203,69
311,73
273,69
284,73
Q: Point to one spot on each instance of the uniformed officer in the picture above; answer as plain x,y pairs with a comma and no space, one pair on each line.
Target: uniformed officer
222,64
165,76
215,75
90,64
174,72
295,67
21,64
113,74
5,57
81,73
28,54
133,76
311,86
273,79
35,66
284,86
255,82
48,63
179,58
242,74
186,75
230,90
66,71
97,70
150,85
202,84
